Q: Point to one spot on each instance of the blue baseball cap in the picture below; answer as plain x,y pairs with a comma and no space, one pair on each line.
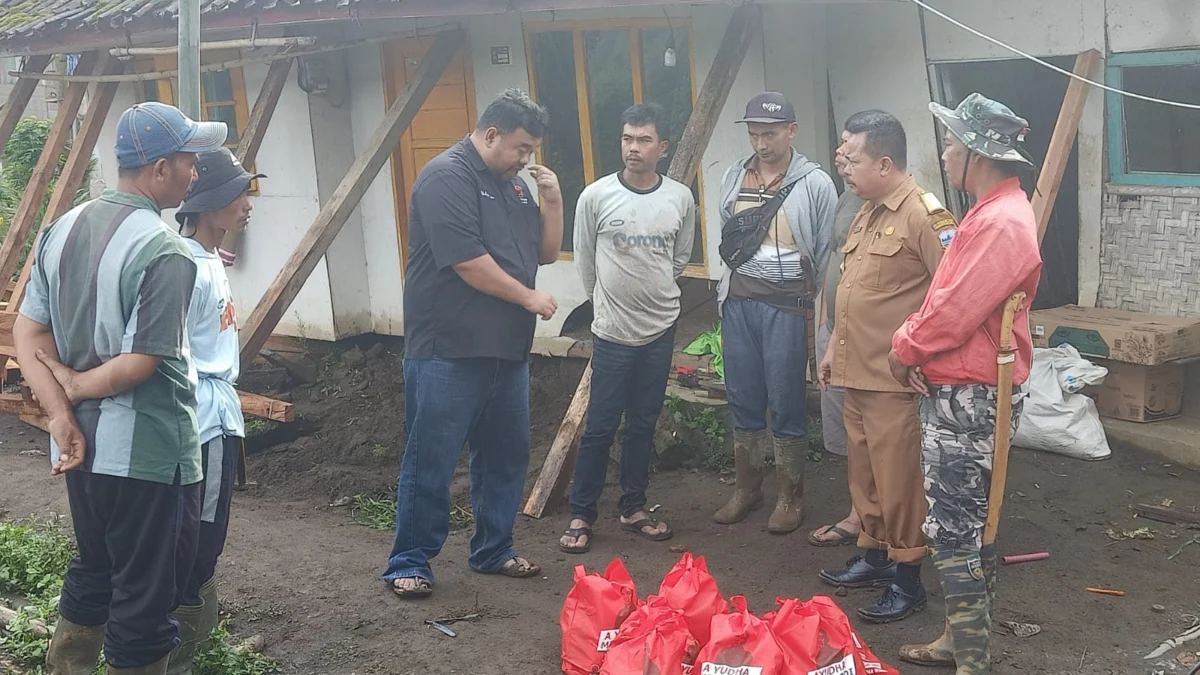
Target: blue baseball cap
148,132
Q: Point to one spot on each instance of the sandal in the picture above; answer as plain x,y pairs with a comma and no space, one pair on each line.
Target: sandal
576,533
637,526
844,538
422,589
518,568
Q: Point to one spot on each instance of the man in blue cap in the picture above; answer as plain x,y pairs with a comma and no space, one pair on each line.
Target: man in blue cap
102,340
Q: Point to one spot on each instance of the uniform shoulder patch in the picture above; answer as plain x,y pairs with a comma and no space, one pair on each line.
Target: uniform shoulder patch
932,203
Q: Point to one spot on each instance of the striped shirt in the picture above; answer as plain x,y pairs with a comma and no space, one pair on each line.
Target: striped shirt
110,278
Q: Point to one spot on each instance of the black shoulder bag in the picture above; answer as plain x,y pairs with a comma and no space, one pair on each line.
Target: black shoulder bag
742,234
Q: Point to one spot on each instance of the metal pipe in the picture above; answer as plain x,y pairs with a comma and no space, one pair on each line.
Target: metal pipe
188,98
247,43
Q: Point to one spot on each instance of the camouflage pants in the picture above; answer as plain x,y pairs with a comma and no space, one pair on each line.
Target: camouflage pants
958,432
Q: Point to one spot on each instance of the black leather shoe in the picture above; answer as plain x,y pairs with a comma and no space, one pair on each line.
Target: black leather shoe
894,605
858,573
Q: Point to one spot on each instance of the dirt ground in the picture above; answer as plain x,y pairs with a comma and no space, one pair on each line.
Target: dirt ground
298,571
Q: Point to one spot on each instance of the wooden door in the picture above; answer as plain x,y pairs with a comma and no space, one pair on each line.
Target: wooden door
447,116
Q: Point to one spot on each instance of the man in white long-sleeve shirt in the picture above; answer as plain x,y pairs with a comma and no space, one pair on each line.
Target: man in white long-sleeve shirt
633,238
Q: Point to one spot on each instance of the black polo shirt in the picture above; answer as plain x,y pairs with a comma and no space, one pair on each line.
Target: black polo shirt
459,211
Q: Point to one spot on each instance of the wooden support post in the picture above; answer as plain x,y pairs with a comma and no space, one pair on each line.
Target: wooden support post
256,128
1061,143
345,199
18,98
745,24
71,178
43,172
266,408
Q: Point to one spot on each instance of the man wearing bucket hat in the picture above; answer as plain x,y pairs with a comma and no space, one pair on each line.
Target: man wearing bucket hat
102,340
218,203
948,351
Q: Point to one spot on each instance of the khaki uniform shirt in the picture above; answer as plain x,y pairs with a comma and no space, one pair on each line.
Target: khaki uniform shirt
890,255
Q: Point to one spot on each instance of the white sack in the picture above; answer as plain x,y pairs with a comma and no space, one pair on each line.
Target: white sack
1057,418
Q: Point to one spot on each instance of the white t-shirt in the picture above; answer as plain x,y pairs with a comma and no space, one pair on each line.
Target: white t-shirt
213,333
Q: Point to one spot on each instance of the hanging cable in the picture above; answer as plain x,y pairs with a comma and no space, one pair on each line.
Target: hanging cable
1051,66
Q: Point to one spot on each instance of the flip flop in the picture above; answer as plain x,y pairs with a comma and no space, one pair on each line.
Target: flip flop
518,568
844,538
636,528
576,532
423,589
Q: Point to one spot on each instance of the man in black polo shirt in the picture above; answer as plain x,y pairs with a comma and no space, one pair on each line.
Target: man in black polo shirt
476,238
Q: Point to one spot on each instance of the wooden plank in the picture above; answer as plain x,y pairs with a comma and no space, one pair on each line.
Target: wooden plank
256,405
71,178
1164,514
37,421
345,199
743,27
43,172
1062,142
745,24
256,128
18,98
15,404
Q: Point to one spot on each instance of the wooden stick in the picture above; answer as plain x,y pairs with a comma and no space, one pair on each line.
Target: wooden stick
745,24
1063,140
43,172
1004,387
256,405
18,98
287,284
71,178
245,43
1106,591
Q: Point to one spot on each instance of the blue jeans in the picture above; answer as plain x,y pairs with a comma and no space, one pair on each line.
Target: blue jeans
480,403
766,357
630,381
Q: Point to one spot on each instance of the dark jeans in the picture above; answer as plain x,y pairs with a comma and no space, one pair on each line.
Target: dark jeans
766,357
137,543
483,404
220,457
630,381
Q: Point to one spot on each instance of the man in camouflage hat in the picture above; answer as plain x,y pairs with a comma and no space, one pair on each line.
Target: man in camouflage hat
948,352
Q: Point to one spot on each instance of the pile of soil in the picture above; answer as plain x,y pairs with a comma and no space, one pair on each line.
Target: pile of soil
352,421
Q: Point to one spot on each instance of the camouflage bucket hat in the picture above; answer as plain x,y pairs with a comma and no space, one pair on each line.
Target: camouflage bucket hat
986,127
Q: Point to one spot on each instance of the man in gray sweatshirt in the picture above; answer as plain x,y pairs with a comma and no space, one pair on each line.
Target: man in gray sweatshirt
633,238
764,303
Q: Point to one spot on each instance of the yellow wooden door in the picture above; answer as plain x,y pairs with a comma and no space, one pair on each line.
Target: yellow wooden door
447,116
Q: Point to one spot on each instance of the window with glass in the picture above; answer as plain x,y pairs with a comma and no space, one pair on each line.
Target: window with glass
1152,143
222,92
586,74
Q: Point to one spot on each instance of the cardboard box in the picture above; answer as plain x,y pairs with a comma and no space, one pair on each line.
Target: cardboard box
1115,335
1139,393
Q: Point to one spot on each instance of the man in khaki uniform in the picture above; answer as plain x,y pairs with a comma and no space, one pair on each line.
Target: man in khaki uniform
890,255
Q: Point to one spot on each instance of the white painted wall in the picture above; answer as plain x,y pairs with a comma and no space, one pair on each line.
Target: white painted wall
795,62
876,60
1141,25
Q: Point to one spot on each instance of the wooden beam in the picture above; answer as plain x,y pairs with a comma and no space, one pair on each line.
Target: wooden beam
345,199
1165,514
256,128
43,172
71,178
266,408
745,24
743,27
18,98
1063,141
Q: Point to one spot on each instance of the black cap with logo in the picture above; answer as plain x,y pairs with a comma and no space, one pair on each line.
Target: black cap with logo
769,107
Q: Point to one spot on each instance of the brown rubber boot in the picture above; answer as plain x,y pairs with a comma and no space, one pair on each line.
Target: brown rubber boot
937,654
749,450
789,477
157,668
74,649
196,622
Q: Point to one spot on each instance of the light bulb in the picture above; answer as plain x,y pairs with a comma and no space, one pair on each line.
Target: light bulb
669,57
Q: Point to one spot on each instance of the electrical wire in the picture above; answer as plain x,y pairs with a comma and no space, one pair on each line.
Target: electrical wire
1051,66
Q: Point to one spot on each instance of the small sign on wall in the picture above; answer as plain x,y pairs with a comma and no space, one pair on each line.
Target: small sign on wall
501,56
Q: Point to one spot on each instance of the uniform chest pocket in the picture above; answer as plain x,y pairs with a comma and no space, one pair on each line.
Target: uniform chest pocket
886,267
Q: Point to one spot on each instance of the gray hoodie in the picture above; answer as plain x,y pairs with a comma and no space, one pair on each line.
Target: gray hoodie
809,210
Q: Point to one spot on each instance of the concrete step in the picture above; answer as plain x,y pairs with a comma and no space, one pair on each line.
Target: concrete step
1177,440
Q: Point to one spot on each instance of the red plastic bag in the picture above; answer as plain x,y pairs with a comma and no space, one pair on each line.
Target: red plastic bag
653,641
690,588
817,639
594,610
741,644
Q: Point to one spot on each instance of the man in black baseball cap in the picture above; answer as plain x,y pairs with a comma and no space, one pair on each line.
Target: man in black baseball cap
777,211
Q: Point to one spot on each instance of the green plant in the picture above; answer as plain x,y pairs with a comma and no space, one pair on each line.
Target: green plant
222,658
257,426
33,557
707,421
379,513
380,450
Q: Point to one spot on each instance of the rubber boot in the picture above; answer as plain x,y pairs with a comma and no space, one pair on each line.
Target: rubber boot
74,649
195,624
990,569
966,590
157,668
790,455
749,450
937,654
